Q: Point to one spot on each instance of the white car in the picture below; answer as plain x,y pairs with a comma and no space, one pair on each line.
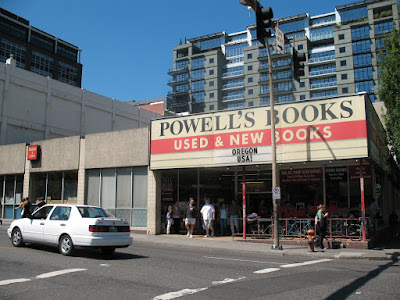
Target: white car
68,226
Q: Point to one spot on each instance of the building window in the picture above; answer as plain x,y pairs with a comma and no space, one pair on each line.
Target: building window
67,73
198,63
344,76
211,95
321,33
343,63
198,74
342,49
361,46
365,86
42,42
354,14
18,51
341,36
211,60
360,33
251,103
211,72
198,97
302,84
362,60
363,73
249,56
250,92
300,47
211,83
345,90
198,85
383,28
212,107
302,97
42,64
249,68
250,79
67,52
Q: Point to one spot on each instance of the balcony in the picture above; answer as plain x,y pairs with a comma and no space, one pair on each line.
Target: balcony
178,70
233,74
176,82
323,85
322,72
317,60
233,98
232,86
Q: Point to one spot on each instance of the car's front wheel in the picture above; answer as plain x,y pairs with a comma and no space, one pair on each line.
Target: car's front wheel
16,238
65,245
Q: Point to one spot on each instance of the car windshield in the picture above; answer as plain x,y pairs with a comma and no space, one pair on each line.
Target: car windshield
94,212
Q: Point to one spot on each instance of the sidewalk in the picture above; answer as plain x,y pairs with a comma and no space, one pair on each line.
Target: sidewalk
391,251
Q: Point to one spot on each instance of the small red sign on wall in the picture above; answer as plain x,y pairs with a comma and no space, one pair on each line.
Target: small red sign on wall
33,152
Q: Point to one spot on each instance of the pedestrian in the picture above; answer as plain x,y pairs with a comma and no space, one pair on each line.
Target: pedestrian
176,215
223,219
170,220
208,217
26,208
320,221
190,217
40,202
235,215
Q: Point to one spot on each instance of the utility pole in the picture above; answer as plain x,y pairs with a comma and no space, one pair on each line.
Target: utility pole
264,17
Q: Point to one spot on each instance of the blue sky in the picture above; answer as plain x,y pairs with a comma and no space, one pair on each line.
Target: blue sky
127,44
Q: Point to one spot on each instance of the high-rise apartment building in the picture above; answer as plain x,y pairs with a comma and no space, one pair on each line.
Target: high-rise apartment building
38,51
223,71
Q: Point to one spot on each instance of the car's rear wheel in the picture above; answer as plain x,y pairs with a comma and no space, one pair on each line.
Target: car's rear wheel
65,245
16,238
107,250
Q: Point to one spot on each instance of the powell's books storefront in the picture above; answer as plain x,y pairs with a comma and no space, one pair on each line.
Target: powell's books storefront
323,148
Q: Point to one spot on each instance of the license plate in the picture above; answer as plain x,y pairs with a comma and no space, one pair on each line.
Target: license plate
113,229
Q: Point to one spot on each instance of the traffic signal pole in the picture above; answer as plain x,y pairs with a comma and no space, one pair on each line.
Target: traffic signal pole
263,21
275,218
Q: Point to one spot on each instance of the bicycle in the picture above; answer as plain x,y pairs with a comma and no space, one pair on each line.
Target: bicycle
299,228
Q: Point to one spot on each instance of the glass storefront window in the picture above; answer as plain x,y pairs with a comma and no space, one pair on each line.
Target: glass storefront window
93,187
108,188
124,188
70,187
54,187
37,186
140,187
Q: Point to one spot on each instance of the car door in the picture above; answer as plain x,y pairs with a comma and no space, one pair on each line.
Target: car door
56,224
34,226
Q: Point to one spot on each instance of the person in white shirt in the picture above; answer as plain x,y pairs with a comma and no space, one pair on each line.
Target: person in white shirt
207,217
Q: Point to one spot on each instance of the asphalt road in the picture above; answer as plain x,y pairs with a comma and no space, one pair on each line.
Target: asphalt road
153,271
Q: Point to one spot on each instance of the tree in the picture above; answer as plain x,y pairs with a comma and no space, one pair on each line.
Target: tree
390,88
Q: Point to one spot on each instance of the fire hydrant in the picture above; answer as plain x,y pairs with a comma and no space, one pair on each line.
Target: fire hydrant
311,240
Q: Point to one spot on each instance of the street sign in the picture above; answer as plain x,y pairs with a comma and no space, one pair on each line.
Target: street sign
276,193
280,40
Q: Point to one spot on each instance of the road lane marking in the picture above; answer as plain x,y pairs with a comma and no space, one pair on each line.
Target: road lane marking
268,270
11,281
243,260
306,263
41,276
57,273
178,294
227,280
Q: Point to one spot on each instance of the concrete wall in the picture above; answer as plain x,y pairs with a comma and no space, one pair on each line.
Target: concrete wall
35,107
12,159
117,149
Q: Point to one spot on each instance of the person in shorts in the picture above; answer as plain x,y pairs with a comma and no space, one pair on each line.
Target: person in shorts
190,217
208,216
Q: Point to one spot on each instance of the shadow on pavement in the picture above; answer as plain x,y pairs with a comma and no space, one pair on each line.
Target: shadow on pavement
351,288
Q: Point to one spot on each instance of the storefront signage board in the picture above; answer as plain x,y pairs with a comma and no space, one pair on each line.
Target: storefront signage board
330,129
309,175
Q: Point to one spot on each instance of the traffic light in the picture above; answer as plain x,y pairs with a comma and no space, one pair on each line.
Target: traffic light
264,17
298,64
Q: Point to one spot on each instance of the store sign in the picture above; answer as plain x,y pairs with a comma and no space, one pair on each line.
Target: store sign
33,153
310,175
355,172
305,131
336,174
